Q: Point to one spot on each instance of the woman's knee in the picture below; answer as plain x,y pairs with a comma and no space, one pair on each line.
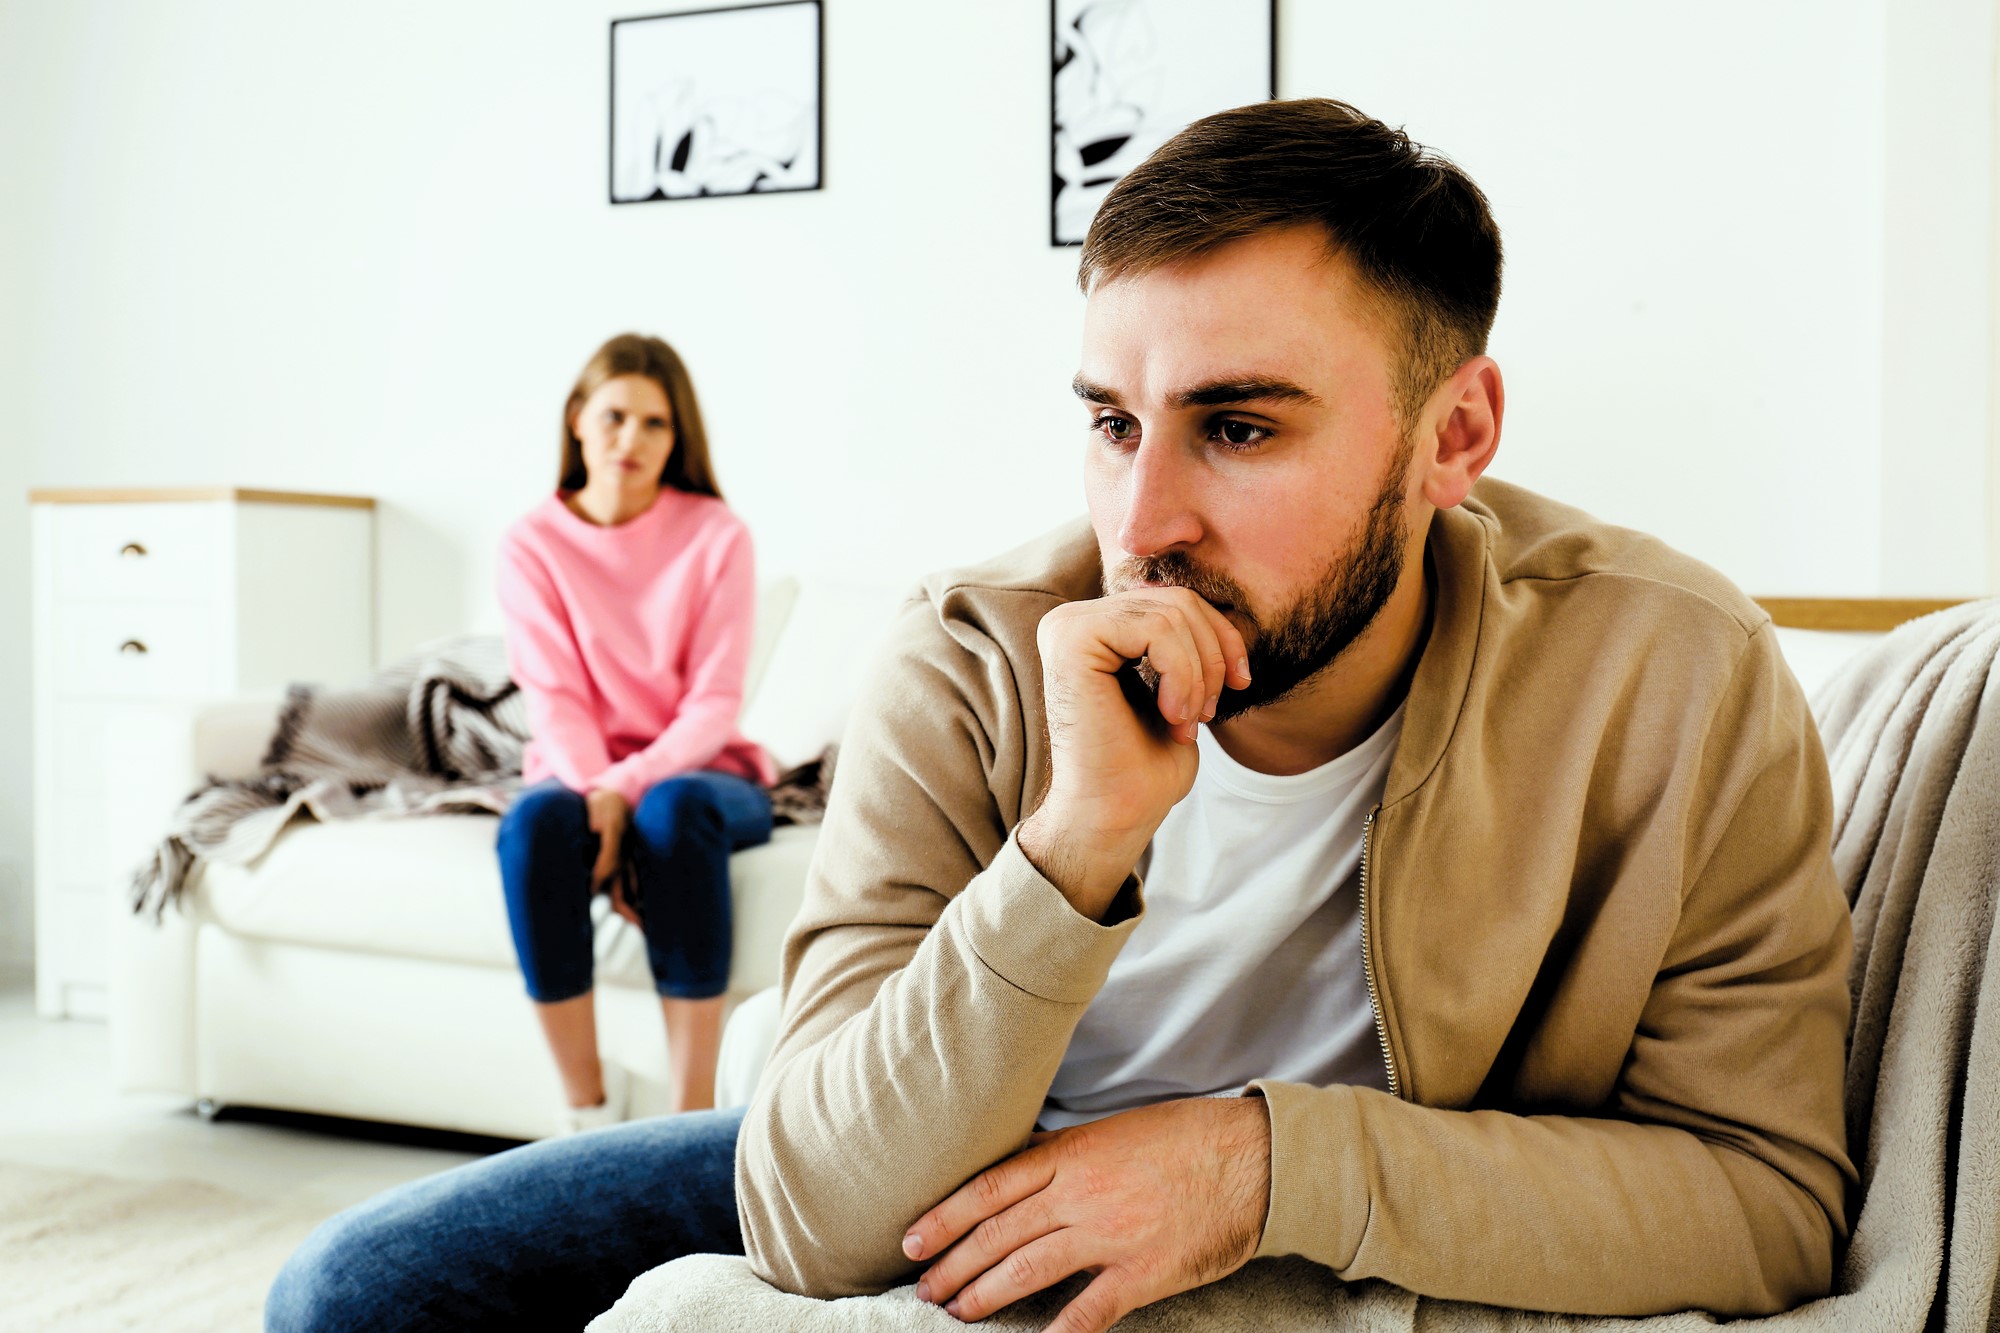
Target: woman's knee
545,808
676,809
545,847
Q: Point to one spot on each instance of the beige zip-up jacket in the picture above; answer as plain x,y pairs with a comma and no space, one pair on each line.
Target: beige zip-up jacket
1605,942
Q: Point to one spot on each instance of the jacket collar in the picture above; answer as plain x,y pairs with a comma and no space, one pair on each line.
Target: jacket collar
1459,553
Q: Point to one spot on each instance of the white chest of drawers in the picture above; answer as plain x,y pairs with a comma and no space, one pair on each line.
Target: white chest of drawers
145,602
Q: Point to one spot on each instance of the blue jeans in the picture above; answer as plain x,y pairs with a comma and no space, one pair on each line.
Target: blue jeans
546,1236
680,837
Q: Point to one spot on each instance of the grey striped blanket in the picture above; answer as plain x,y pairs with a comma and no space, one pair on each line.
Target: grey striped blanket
441,731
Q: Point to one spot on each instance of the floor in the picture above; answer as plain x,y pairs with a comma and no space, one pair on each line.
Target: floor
58,1109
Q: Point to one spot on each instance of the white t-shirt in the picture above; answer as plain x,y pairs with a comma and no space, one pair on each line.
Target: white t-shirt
1248,962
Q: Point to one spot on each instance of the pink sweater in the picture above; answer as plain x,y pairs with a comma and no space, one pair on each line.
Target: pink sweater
631,642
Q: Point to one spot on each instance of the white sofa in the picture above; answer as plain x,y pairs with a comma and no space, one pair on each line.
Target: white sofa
365,969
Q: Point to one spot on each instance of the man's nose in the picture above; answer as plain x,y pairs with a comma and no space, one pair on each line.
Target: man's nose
1160,512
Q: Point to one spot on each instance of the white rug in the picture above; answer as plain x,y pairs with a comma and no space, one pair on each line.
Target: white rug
89,1252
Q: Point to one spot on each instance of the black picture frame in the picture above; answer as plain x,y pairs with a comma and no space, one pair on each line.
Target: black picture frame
724,168
1058,183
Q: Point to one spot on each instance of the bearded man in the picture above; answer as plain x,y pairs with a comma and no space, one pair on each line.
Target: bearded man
1321,851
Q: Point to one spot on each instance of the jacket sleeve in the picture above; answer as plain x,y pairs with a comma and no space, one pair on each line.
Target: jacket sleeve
717,656
932,980
1716,1176
543,658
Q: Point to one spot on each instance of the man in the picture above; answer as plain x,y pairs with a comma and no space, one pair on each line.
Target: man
1560,1024
1325,856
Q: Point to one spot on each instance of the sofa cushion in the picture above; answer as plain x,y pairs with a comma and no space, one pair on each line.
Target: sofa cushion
430,888
832,636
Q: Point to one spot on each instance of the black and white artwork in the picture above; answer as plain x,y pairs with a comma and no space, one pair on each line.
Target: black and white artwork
1130,74
716,101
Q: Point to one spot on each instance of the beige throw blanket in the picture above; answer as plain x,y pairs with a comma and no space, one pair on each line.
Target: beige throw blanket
1912,731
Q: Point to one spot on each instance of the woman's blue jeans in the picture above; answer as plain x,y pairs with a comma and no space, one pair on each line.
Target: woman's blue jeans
679,836
547,1236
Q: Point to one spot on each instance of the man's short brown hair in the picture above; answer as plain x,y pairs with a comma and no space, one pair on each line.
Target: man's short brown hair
1416,228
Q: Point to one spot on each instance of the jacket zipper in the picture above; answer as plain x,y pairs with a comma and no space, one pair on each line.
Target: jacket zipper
1368,960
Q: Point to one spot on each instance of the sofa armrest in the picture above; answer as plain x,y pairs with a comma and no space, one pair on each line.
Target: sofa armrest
229,736
747,1041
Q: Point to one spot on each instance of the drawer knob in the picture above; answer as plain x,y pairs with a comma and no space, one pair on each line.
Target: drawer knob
132,646
131,548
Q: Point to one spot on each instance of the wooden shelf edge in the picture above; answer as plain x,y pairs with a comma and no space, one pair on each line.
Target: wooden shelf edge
186,494
1872,615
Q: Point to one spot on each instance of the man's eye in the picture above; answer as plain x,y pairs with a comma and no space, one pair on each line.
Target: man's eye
1241,434
1115,428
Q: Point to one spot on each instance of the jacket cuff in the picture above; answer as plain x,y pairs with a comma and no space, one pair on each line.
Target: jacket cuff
1023,928
1319,1173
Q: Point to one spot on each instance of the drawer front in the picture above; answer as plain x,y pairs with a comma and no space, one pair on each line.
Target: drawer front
142,551
158,650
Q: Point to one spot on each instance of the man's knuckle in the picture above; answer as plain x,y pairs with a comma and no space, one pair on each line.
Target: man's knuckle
1092,1180
1097,1307
1021,1270
988,1234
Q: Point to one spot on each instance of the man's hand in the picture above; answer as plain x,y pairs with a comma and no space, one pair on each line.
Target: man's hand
1153,1202
608,815
1115,771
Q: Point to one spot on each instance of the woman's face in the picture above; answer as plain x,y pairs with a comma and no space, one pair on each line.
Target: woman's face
627,432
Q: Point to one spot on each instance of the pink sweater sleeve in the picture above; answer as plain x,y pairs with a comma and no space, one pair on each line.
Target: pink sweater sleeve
718,656
543,657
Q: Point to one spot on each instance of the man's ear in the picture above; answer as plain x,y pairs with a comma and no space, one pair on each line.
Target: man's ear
1468,408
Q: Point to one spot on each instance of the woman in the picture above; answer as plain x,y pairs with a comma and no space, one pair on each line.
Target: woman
628,601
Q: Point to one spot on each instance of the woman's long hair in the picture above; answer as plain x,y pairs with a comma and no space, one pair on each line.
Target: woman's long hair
688,468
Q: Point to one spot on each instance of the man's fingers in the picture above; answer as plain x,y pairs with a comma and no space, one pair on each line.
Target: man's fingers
993,1244
1040,1263
992,1191
1214,664
1182,690
1211,657
1108,1299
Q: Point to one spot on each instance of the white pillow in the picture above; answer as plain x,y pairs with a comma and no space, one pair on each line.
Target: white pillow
774,604
833,634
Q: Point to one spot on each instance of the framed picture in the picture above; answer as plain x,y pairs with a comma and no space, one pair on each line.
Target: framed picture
1128,75
717,101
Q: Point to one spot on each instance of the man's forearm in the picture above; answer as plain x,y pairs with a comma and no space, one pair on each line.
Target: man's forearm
1573,1214
856,1135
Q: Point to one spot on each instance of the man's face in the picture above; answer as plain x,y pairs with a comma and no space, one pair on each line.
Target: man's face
1243,444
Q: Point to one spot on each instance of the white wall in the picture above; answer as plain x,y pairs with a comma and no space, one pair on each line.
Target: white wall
365,247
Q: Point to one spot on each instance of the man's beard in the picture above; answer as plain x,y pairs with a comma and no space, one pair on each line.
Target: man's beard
1290,648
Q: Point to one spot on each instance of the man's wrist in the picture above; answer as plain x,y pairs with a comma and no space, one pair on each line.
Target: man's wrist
1087,870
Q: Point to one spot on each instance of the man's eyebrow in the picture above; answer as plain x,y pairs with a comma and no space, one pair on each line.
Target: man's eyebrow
1094,393
1216,393
1256,389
